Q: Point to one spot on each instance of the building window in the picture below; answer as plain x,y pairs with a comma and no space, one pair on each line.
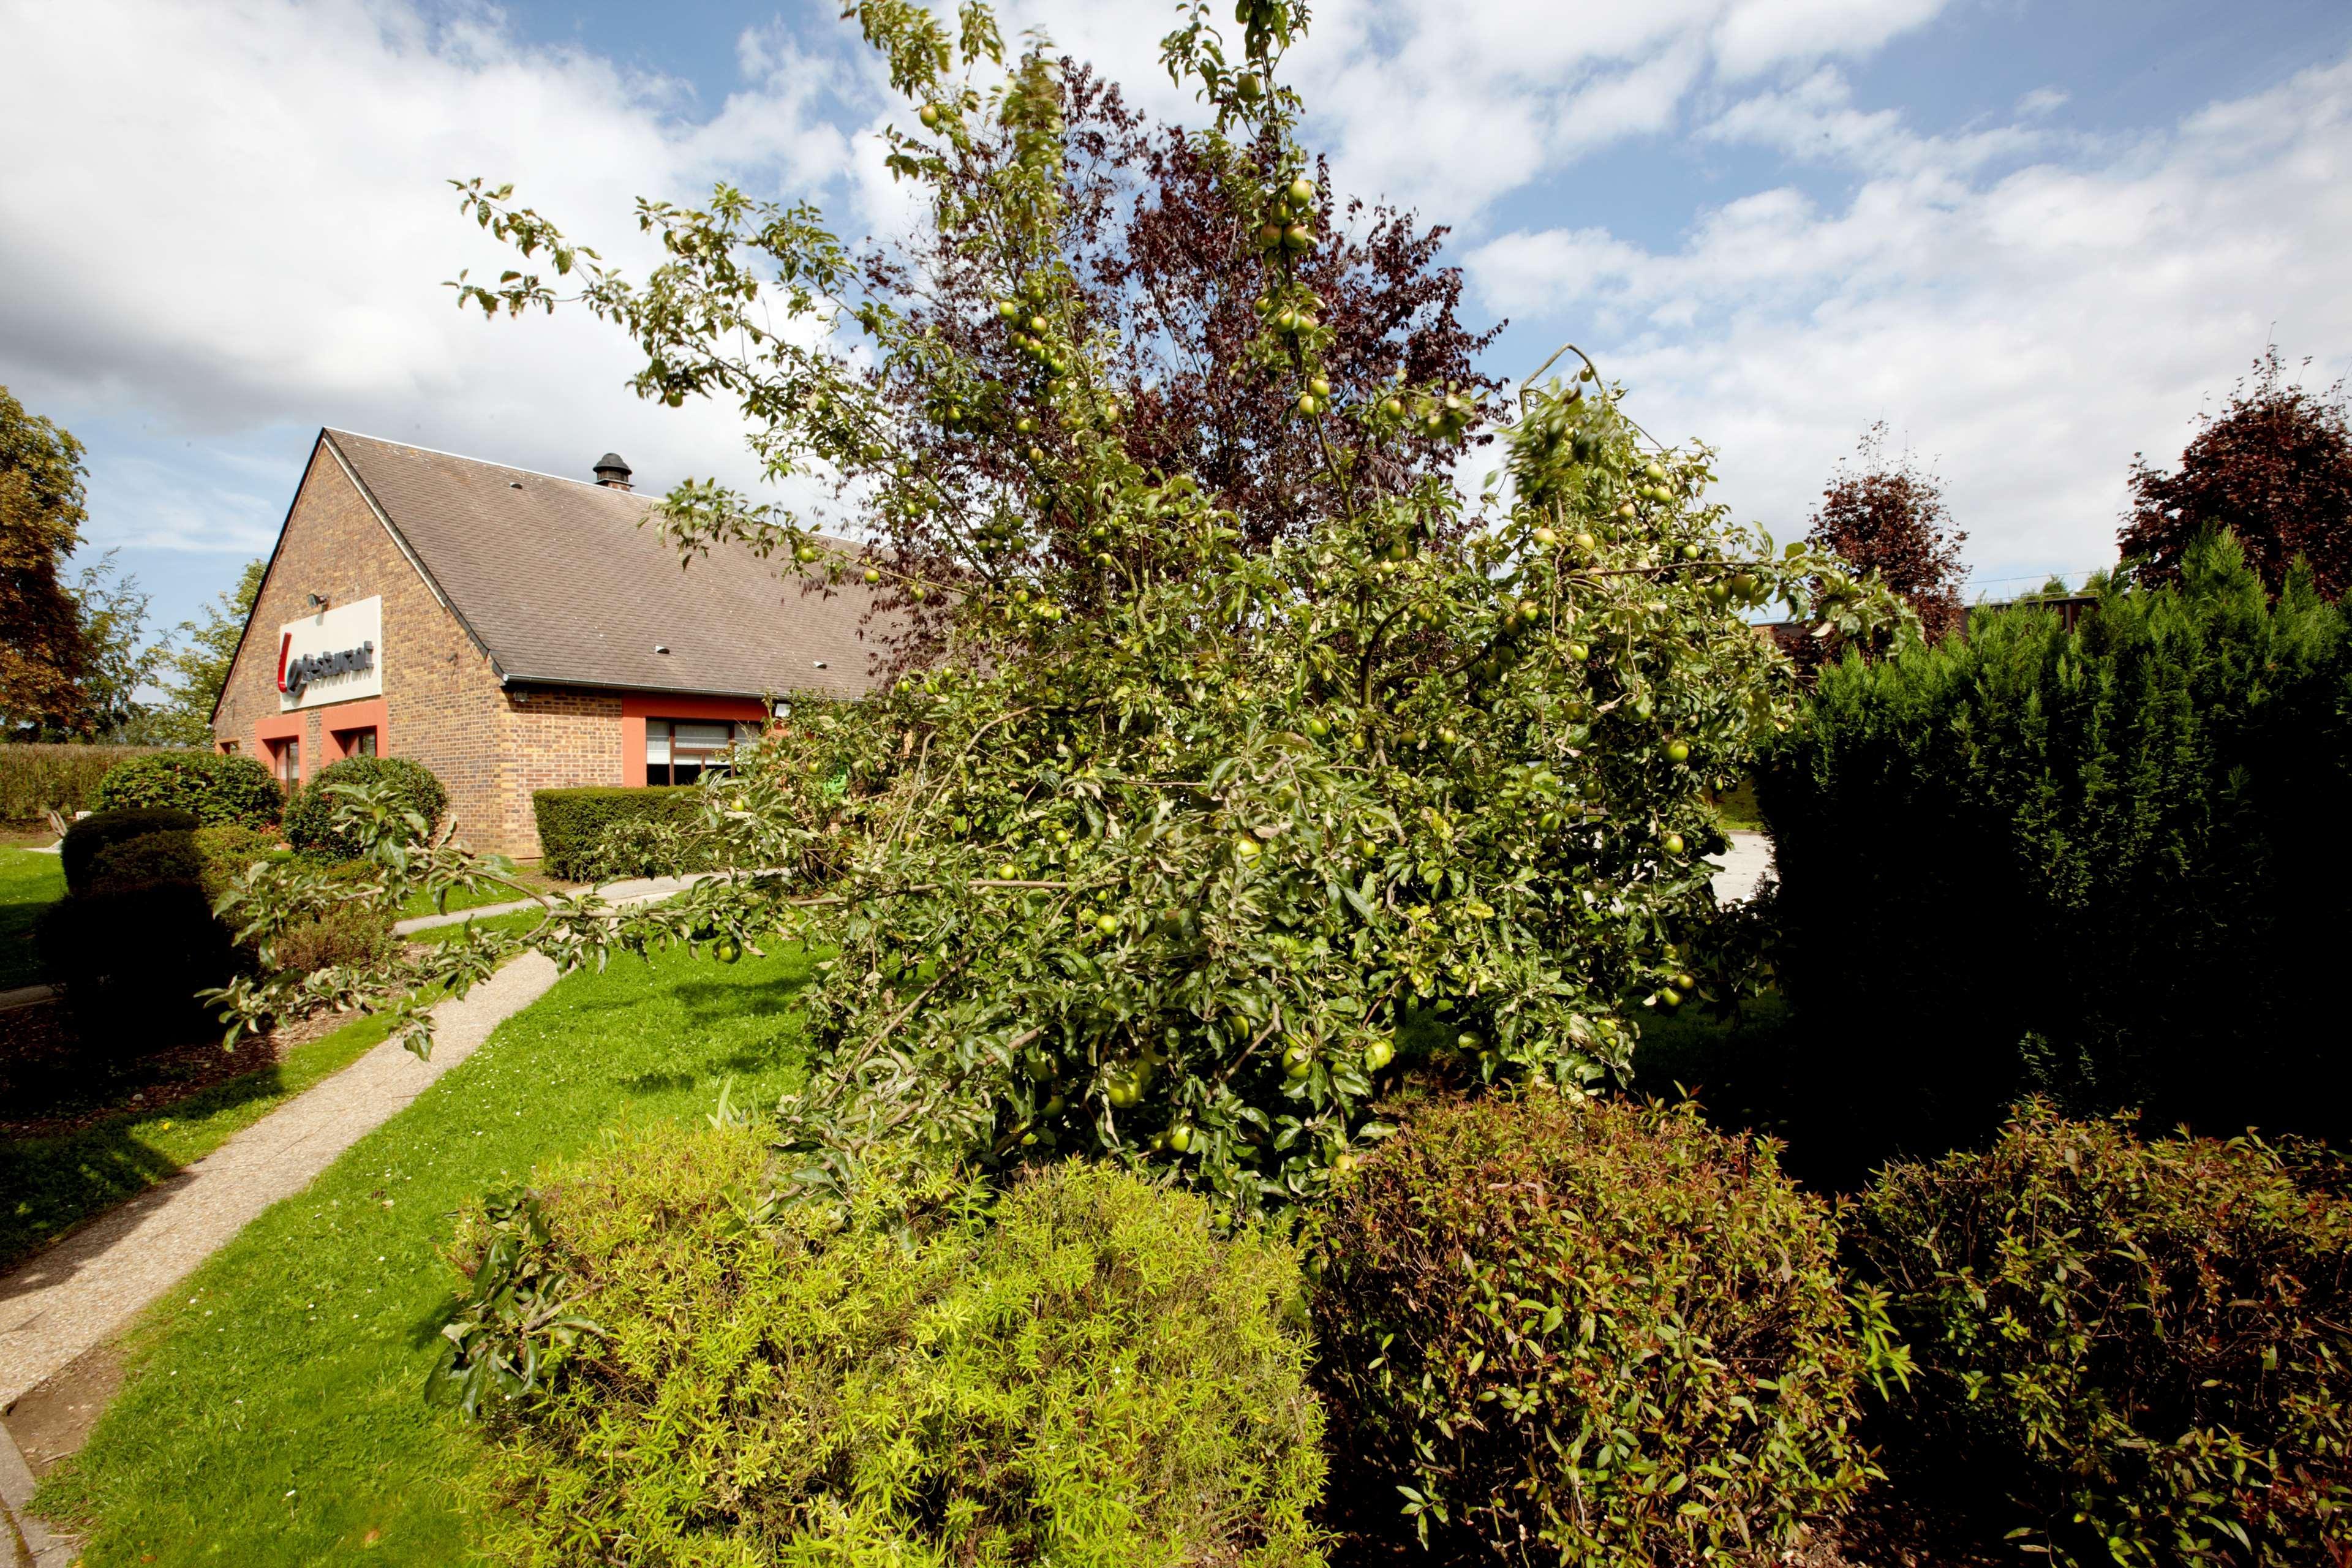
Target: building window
356,742
678,750
285,762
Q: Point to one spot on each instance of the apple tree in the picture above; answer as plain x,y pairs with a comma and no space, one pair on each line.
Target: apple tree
1187,838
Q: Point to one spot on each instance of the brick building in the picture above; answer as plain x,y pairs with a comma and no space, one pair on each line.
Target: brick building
514,631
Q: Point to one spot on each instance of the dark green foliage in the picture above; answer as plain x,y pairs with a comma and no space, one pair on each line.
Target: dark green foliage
2088,863
572,822
1598,1332
217,789
1080,1372
135,938
309,824
40,777
131,961
150,859
85,840
2140,1349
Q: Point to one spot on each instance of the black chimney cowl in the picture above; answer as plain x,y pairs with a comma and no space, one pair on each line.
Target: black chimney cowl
612,472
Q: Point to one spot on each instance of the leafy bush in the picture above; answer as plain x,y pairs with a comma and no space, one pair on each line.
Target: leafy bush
572,823
217,789
1602,1330
85,840
309,824
2143,1348
352,934
40,777
228,850
2079,862
1081,1373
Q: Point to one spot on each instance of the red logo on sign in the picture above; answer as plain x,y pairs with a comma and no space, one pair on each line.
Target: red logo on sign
285,646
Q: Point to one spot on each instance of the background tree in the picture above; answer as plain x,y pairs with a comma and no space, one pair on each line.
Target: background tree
1886,514
193,672
2274,469
41,515
117,661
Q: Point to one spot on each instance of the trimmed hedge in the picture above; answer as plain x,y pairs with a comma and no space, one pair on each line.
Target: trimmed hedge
1595,1333
2092,864
38,777
2143,1351
217,789
1082,1371
571,822
309,824
84,840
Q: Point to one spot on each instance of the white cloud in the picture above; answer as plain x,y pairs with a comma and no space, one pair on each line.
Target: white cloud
1446,105
2034,323
237,219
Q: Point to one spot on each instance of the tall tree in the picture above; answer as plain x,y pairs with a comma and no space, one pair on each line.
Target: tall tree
41,516
1185,823
1885,513
2274,469
193,672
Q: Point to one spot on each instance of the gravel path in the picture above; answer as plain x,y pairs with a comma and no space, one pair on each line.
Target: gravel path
1745,864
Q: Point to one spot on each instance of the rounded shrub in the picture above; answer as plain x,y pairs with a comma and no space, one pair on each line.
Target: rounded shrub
2143,1351
85,839
1081,1372
135,938
1587,1332
145,861
214,788
309,823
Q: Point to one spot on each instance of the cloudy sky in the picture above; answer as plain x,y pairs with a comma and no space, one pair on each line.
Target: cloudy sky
2033,238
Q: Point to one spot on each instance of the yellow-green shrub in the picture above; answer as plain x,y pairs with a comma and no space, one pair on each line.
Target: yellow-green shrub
1080,1372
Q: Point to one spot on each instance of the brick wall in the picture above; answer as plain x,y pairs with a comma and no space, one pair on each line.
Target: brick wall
554,739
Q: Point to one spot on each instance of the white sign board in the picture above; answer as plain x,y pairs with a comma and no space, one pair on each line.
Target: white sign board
334,656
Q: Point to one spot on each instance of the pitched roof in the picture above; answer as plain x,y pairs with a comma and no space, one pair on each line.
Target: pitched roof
560,582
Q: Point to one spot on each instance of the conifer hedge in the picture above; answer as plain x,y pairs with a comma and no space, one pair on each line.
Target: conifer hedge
2099,864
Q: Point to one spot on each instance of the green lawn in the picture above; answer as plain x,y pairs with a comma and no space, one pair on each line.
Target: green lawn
49,1185
273,1414
1738,810
29,883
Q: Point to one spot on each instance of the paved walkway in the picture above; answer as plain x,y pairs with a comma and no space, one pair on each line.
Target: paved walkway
1743,865
636,890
